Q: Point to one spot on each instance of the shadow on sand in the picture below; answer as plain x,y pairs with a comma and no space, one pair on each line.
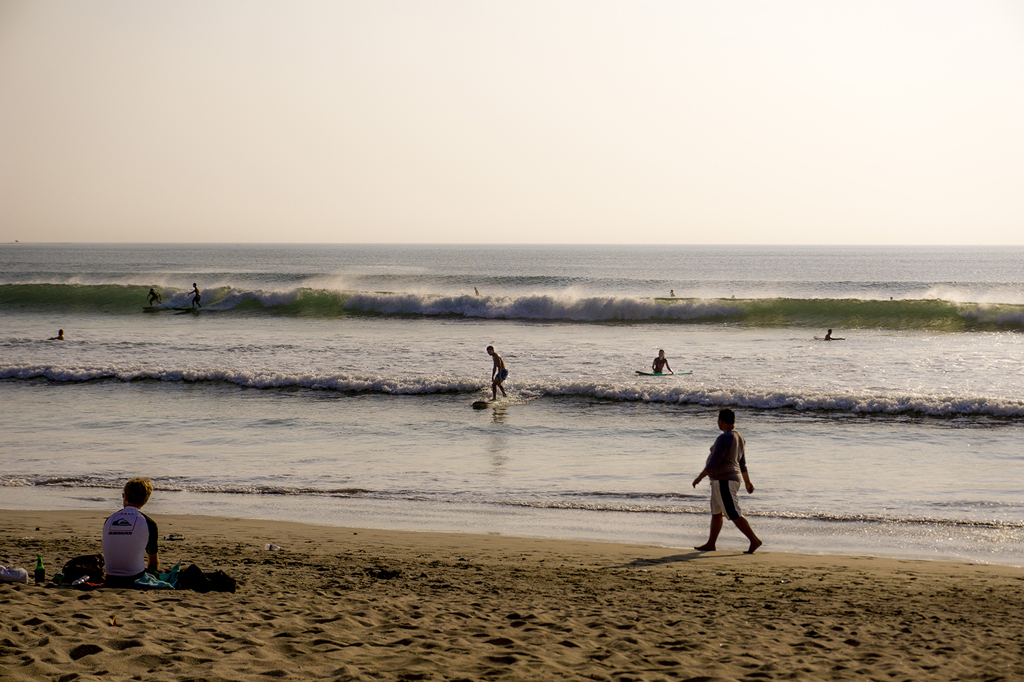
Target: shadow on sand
676,558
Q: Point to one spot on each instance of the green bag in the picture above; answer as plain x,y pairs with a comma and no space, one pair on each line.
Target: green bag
171,577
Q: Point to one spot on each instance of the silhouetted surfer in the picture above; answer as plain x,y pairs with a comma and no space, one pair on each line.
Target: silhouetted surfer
498,374
153,296
59,337
195,299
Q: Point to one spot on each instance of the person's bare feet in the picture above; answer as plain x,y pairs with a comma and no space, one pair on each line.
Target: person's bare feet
705,548
753,546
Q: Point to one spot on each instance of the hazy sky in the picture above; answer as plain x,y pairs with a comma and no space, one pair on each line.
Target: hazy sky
774,122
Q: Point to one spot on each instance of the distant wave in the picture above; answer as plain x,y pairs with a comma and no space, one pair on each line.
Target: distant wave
842,313
628,390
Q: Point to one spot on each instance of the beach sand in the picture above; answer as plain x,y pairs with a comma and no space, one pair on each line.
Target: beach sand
355,604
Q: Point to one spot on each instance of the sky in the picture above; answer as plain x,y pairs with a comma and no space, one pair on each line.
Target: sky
438,121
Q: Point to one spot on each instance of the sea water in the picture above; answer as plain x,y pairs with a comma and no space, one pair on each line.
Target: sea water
333,385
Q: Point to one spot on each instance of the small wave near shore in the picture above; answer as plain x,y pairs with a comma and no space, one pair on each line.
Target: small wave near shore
627,390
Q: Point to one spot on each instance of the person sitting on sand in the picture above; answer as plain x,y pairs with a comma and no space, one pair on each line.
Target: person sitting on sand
498,374
195,299
59,337
130,537
723,466
153,296
660,364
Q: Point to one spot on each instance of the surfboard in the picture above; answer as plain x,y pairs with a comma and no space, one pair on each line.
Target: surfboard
481,404
834,338
150,308
188,310
657,374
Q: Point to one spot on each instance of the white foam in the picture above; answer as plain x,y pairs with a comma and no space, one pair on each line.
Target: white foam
628,390
538,307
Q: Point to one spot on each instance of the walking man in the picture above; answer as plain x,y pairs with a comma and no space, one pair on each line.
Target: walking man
724,466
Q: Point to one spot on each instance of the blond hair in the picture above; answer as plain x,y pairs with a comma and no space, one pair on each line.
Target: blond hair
137,491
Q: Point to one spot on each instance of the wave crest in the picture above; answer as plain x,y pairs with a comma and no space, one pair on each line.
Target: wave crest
626,391
814,313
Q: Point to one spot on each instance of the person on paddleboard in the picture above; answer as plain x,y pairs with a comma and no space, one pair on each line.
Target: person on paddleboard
660,364
498,374
195,299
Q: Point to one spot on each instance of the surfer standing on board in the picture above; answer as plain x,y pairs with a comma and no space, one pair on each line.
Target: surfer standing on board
660,364
498,374
153,296
195,299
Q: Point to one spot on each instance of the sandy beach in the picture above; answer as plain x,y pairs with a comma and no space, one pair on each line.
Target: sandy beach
354,604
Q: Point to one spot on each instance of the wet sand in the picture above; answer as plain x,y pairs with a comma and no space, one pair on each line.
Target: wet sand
354,604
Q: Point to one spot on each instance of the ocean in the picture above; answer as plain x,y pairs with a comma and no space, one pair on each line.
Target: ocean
332,384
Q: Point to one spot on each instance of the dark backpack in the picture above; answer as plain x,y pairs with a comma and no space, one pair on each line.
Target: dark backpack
87,564
193,578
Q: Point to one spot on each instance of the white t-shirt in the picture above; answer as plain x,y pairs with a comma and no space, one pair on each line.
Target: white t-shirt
128,536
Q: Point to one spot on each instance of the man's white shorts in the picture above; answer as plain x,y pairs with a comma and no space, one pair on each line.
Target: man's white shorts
725,499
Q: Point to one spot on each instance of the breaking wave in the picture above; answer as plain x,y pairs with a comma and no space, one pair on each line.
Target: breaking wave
905,314
626,391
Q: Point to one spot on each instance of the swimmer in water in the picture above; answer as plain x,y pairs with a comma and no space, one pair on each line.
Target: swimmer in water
660,364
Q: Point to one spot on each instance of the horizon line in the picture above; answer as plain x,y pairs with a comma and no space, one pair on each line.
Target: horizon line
520,244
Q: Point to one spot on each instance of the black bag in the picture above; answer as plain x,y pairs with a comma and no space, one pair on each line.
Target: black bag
193,578
87,564
222,582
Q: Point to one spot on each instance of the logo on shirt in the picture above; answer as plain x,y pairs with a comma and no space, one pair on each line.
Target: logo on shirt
122,524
